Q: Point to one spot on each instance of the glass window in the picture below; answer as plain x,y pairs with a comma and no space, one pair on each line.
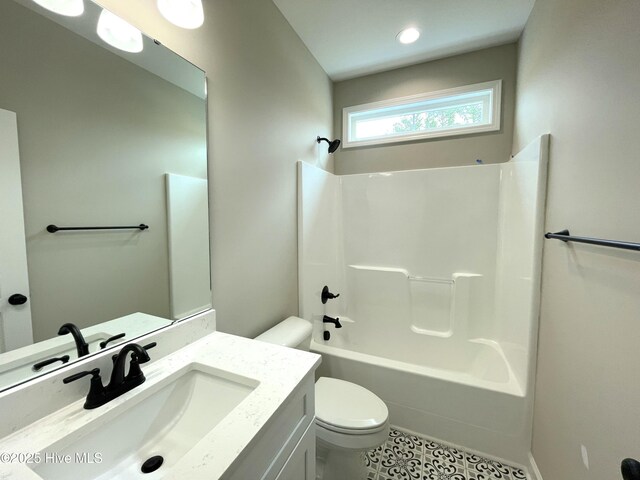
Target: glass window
457,111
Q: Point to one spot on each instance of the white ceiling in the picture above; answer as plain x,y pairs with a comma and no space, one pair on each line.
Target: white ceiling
350,38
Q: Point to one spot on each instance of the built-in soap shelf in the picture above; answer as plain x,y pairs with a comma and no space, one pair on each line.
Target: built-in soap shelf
446,281
436,306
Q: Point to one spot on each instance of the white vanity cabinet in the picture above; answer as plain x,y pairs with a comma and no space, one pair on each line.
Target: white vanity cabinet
301,464
285,449
239,410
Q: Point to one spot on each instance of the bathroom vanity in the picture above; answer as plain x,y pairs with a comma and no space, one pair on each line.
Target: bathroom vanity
221,407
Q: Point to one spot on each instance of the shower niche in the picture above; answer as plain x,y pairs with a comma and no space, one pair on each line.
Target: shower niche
427,305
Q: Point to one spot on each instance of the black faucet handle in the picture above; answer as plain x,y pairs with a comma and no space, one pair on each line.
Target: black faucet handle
96,394
327,295
112,339
72,378
40,365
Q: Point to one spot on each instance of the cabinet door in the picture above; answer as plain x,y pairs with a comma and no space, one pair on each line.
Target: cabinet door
301,465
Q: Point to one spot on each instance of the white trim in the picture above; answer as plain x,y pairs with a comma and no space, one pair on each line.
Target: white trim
495,85
534,472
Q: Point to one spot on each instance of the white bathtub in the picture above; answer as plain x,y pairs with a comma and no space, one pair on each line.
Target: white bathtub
469,397
475,363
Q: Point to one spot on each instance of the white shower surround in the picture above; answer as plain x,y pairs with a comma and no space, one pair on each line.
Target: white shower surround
439,273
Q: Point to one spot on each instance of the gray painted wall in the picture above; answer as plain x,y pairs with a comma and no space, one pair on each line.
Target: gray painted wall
97,134
268,100
475,67
578,79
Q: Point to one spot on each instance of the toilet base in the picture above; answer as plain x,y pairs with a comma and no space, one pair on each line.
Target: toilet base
339,464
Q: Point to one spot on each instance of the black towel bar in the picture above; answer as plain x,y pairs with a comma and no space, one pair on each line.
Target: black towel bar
565,236
55,228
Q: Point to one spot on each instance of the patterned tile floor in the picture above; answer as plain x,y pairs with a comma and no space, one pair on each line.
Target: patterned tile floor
406,456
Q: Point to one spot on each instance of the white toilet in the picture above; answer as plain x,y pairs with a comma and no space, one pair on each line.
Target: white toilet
349,418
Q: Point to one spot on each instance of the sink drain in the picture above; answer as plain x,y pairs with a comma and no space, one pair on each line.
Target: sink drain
152,464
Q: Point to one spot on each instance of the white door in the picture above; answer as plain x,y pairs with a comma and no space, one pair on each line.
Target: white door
15,313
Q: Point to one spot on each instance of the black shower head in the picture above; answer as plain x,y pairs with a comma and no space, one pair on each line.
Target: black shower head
333,145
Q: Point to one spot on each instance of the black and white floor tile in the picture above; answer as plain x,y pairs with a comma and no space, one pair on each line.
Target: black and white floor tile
406,456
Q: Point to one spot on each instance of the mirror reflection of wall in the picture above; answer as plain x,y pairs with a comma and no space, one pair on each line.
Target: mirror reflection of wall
97,136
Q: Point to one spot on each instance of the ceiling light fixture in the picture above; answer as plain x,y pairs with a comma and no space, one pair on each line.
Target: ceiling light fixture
118,33
408,35
183,13
68,8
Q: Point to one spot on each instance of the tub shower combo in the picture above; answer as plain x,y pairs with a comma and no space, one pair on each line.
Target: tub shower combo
438,272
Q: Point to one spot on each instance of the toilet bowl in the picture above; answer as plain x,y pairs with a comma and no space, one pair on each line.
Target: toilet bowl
349,418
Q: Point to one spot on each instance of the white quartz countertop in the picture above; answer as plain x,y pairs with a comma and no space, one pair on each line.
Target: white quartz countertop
278,370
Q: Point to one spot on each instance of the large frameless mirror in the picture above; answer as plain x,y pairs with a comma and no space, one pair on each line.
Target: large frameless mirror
103,186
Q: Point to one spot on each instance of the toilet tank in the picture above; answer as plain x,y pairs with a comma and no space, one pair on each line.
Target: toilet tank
293,332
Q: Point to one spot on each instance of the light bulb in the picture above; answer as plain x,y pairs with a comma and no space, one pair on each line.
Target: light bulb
118,33
408,35
68,8
183,13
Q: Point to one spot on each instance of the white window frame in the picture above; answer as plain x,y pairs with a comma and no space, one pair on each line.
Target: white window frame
495,108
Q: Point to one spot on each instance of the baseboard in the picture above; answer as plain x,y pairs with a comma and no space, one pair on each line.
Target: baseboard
533,469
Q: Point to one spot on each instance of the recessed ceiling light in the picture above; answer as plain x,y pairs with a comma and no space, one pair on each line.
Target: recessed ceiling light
68,8
408,35
118,33
182,13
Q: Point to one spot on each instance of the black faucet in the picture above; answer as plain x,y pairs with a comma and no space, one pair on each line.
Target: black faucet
135,376
119,383
335,321
81,344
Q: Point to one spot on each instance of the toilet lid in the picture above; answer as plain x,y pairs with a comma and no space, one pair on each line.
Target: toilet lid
348,406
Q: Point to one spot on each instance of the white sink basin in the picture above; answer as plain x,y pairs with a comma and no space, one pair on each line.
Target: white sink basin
166,420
